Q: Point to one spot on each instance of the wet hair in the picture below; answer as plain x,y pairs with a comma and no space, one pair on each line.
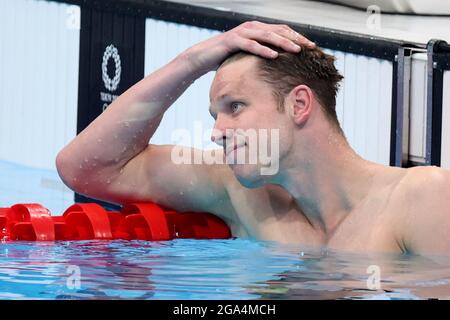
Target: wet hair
311,67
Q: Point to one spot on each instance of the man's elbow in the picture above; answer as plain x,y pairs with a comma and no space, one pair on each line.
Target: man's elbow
67,170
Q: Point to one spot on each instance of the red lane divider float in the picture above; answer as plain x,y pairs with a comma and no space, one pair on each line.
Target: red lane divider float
85,221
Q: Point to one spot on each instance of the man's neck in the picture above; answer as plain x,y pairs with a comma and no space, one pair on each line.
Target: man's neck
329,184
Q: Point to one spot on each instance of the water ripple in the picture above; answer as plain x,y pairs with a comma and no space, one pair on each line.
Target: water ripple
209,269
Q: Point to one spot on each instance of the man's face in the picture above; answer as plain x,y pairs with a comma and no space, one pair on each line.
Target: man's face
247,123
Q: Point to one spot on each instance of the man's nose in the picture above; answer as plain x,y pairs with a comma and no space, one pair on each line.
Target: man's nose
221,131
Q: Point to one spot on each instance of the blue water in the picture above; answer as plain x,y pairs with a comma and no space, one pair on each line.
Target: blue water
209,269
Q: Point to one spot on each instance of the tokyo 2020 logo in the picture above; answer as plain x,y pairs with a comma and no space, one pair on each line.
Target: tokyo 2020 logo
111,52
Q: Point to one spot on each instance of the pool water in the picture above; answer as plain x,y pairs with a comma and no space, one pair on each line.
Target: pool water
211,269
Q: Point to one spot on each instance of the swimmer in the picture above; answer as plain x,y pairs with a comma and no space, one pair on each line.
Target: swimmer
316,192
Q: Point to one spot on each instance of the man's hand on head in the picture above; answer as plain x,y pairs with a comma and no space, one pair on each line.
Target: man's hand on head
252,36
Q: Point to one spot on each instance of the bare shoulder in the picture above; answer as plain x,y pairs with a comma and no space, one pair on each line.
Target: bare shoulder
423,190
425,206
426,183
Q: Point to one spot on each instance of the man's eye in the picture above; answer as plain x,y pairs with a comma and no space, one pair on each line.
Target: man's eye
235,106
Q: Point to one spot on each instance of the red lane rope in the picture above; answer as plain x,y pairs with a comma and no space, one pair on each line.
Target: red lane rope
85,221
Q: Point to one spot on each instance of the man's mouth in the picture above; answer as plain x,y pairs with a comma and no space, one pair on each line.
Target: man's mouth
231,149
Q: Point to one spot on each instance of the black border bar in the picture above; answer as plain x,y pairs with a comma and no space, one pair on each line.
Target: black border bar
164,309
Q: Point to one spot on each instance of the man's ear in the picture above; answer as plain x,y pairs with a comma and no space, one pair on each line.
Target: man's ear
301,100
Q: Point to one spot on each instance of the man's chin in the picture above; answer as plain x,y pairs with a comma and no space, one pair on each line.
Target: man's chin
248,175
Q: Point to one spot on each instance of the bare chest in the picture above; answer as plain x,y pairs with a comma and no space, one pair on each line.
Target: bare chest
368,228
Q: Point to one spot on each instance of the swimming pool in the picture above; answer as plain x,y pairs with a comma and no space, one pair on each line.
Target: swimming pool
210,269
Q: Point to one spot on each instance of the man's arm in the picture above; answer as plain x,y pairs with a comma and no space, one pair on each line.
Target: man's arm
111,158
426,225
